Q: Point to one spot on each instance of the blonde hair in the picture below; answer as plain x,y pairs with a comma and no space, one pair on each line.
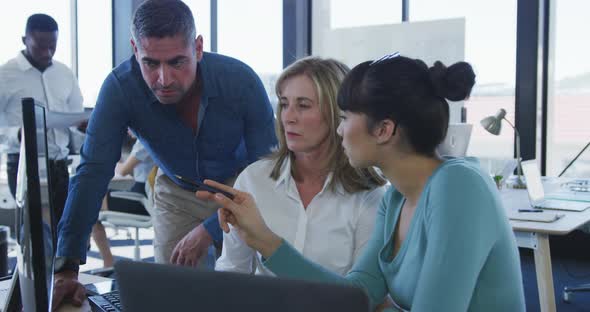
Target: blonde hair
326,75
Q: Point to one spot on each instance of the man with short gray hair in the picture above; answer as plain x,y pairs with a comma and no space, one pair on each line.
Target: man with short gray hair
200,115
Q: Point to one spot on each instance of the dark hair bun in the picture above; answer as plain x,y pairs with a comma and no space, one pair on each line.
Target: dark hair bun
453,83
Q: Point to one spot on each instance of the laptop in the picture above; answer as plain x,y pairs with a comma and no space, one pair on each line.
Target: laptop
154,287
456,142
537,194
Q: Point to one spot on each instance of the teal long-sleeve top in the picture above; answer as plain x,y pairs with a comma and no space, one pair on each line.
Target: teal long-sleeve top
459,253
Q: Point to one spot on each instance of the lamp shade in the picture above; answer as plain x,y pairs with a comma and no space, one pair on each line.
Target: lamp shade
493,124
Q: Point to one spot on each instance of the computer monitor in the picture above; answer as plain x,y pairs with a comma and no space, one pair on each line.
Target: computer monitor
457,140
35,225
175,288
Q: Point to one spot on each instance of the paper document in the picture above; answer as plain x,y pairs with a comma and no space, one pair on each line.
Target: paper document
535,216
65,120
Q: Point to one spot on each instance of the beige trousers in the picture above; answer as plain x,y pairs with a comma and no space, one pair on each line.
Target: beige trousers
176,212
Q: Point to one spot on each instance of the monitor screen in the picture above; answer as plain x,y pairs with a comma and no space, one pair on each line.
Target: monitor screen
35,224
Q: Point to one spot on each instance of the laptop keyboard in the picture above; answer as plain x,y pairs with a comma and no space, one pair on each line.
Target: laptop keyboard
108,302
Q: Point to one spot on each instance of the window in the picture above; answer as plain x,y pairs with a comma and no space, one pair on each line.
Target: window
254,37
353,32
568,129
344,14
95,48
201,10
490,46
14,19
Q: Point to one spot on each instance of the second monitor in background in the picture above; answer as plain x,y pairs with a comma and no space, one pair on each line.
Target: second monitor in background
457,140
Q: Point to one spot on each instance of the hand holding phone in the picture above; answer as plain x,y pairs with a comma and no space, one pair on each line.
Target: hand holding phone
200,186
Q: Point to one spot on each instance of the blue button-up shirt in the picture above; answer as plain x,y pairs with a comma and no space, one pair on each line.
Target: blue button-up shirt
235,128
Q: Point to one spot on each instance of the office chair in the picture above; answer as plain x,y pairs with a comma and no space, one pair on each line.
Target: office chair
121,219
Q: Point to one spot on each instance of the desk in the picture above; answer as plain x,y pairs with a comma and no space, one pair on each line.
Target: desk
85,279
535,235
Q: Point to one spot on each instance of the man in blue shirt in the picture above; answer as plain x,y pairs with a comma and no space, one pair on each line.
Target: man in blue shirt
199,121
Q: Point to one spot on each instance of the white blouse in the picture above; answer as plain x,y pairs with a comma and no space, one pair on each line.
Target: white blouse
331,232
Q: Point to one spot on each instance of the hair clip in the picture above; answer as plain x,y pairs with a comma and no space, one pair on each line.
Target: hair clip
385,58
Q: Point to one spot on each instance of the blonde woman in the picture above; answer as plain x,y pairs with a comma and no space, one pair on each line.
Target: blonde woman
306,191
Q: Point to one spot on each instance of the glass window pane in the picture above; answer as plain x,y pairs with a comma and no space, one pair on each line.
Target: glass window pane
490,46
201,10
13,19
353,32
257,41
95,48
344,14
568,129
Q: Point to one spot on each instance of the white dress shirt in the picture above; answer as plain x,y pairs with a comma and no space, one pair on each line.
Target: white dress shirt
145,165
56,89
331,231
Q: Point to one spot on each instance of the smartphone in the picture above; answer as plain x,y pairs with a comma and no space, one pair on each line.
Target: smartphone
200,186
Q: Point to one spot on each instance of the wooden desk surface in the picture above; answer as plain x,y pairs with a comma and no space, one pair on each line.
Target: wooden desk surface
518,199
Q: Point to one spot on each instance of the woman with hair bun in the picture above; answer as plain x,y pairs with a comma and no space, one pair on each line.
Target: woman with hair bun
441,241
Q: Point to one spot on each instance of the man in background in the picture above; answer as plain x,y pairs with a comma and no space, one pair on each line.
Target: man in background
33,73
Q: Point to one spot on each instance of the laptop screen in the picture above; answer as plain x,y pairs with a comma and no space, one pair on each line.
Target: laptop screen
533,180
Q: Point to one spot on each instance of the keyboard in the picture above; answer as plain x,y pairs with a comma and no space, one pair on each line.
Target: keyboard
108,302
